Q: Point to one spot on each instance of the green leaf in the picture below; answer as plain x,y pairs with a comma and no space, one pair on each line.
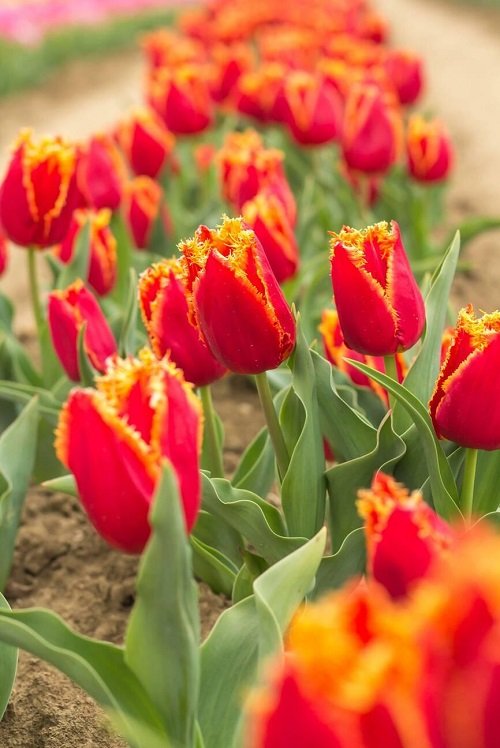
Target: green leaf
78,267
212,567
443,486
127,345
17,455
303,488
257,521
6,313
246,634
473,227
256,470
161,643
211,531
422,375
24,393
8,666
64,483
346,478
85,368
125,253
486,498
349,562
97,667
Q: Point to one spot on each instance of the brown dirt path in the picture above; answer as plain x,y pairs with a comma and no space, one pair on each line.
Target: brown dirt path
461,49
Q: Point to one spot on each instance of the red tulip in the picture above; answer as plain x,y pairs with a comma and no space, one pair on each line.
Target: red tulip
103,258
311,108
257,92
380,307
167,319
266,215
405,72
146,142
144,206
38,193
372,131
68,311
114,440
230,62
429,150
240,308
4,254
181,97
100,173
464,406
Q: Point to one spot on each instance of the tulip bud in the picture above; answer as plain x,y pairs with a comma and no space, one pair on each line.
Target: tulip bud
145,206
403,534
257,92
141,413
405,72
68,311
463,405
169,325
181,97
241,311
380,307
146,142
372,131
4,254
230,62
311,108
429,151
103,257
38,193
266,215
100,173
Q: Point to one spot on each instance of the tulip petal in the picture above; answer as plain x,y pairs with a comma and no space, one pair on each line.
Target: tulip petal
404,294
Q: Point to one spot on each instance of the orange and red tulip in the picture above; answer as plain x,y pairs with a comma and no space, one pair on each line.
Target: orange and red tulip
144,205
103,257
146,142
38,193
464,406
311,108
100,173
141,413
229,64
170,326
429,152
380,307
70,309
405,73
181,96
240,308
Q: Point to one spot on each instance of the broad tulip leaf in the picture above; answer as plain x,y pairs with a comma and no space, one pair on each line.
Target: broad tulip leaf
64,483
8,666
346,478
255,471
19,362
85,368
472,227
17,456
97,667
256,520
245,634
125,254
127,342
486,496
78,267
212,567
303,488
22,394
443,486
211,531
424,371
349,562
161,643
6,313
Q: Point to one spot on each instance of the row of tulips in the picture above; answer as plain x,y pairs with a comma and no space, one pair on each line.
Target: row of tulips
399,400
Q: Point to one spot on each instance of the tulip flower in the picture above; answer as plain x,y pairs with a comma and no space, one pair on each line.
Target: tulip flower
146,142
266,215
372,131
169,325
4,254
464,406
144,206
100,173
230,62
380,307
240,308
311,108
405,72
403,534
68,311
168,48
103,257
115,438
257,92
38,193
181,97
429,150
337,352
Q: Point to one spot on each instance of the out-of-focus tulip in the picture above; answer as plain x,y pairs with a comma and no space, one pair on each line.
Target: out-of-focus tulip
103,258
141,412
464,406
144,206
372,132
4,253
311,108
257,92
380,307
337,351
238,303
181,96
428,149
229,64
146,142
167,48
403,534
169,324
70,309
266,215
404,69
204,156
38,193
100,173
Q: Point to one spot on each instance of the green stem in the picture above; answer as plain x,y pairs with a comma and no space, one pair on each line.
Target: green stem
273,424
467,495
391,369
213,450
35,295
